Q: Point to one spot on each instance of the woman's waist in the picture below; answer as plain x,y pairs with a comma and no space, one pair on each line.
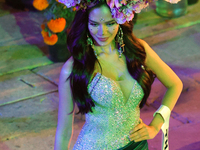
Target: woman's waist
110,129
109,121
113,117
119,124
108,134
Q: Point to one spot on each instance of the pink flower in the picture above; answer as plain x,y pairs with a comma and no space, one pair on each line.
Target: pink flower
139,6
128,13
129,18
116,3
123,2
113,12
110,3
118,16
70,3
136,8
120,21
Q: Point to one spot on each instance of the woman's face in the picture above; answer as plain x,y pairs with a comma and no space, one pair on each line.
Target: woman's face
102,27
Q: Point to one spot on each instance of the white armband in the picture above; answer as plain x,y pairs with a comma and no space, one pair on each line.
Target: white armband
165,112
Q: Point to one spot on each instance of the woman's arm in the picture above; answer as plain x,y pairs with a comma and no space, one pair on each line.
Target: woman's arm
174,87
65,120
166,76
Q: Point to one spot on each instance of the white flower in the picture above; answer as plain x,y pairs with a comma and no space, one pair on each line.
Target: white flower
173,1
139,6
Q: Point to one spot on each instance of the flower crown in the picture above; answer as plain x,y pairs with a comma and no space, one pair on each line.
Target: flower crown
121,10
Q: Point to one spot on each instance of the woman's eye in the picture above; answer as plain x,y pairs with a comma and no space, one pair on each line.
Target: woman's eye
110,24
93,24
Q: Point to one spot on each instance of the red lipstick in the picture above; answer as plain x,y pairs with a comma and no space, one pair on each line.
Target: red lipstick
103,39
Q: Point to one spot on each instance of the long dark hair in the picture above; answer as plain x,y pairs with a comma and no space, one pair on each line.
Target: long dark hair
84,60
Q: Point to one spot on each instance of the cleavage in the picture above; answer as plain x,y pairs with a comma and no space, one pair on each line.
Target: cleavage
115,68
125,86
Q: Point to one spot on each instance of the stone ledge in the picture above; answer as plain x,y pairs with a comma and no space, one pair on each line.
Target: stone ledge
23,85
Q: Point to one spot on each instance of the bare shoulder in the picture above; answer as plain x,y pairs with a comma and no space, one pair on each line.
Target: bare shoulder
163,72
65,97
145,45
153,60
141,41
151,55
67,68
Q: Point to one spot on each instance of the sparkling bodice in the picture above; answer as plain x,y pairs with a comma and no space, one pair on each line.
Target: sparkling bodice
109,125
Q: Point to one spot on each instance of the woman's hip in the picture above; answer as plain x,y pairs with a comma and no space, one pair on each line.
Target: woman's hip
143,145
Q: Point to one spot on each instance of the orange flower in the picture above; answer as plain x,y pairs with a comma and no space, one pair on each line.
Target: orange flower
57,25
49,40
74,9
40,4
42,26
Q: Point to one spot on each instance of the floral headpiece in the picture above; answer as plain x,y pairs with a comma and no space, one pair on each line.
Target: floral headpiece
122,10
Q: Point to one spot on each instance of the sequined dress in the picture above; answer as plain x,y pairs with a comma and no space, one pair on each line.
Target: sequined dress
107,128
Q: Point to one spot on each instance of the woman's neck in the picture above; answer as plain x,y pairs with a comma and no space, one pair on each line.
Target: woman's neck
106,49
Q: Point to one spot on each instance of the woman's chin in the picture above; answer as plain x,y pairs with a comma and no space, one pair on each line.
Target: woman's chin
100,43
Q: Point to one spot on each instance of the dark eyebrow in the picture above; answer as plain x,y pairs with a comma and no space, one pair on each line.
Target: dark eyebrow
105,22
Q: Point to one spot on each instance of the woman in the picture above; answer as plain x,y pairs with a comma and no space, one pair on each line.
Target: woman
109,77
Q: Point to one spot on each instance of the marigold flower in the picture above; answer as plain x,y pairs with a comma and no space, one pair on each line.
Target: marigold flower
49,40
74,9
57,25
42,26
40,4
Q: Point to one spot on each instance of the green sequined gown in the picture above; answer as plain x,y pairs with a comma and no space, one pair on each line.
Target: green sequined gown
109,125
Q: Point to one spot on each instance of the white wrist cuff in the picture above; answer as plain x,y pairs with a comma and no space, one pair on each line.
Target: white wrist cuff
165,112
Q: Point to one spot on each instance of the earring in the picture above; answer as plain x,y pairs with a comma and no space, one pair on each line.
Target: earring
90,42
120,40
142,66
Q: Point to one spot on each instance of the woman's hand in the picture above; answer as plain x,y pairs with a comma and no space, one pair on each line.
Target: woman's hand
143,132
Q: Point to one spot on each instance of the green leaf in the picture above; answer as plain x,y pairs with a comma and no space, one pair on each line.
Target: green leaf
50,34
46,29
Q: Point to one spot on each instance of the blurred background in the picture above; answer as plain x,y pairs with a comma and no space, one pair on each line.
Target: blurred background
32,54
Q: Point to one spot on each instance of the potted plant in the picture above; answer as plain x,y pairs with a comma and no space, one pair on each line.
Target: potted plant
191,2
57,20
171,8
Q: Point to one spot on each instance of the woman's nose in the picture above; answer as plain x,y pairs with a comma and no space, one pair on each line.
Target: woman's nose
102,30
